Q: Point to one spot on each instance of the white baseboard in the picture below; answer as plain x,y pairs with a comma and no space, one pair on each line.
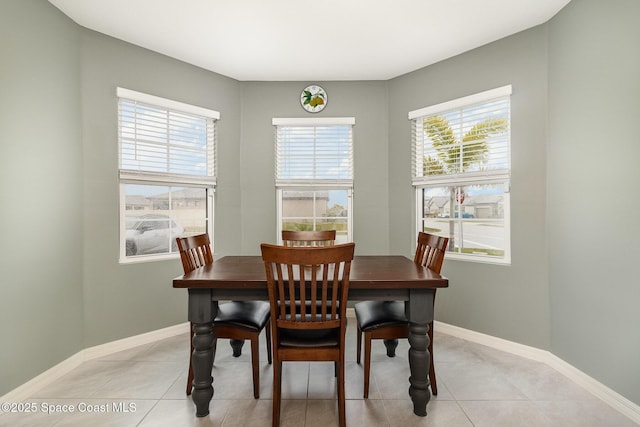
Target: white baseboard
50,375
493,342
27,389
130,342
601,391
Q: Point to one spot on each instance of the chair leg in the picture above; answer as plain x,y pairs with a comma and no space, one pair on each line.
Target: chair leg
341,396
367,363
190,373
268,337
236,345
359,345
432,370
255,365
277,384
190,378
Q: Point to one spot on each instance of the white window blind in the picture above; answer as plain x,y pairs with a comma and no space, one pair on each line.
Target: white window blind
310,152
467,140
165,141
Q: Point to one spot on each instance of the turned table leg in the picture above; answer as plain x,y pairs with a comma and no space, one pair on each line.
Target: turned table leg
202,311
419,311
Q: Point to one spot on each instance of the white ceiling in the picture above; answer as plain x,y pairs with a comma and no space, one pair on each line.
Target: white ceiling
303,40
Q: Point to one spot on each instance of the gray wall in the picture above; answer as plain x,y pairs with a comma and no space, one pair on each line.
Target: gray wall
58,82
41,319
124,300
511,302
593,227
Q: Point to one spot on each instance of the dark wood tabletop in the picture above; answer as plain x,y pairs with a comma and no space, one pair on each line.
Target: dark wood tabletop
385,277
367,272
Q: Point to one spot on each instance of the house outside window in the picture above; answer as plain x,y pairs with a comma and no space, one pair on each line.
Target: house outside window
166,173
461,167
314,175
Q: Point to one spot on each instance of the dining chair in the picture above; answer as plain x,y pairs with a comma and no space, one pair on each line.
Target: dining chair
308,238
236,320
308,290
386,319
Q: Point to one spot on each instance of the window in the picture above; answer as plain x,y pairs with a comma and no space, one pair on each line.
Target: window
166,173
461,174
314,175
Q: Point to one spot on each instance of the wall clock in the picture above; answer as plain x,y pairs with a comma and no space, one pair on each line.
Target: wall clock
313,98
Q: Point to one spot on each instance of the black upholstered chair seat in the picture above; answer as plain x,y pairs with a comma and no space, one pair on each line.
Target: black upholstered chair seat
252,315
376,314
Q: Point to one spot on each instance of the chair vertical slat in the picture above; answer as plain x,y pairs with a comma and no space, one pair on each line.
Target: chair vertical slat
280,292
303,293
334,297
291,288
314,291
345,287
323,293
201,255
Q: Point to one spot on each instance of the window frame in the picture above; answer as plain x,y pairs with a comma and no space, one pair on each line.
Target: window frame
126,176
502,176
296,184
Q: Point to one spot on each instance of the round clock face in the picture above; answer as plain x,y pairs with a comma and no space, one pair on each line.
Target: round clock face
313,98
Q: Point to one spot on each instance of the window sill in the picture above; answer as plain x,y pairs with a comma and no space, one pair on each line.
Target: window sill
148,258
477,259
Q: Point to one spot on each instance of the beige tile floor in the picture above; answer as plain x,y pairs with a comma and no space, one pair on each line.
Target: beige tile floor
478,386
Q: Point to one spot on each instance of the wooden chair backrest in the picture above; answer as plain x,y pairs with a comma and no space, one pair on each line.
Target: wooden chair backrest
309,238
319,299
430,251
195,252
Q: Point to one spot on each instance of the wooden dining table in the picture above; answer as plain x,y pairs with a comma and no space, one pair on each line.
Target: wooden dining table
387,277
